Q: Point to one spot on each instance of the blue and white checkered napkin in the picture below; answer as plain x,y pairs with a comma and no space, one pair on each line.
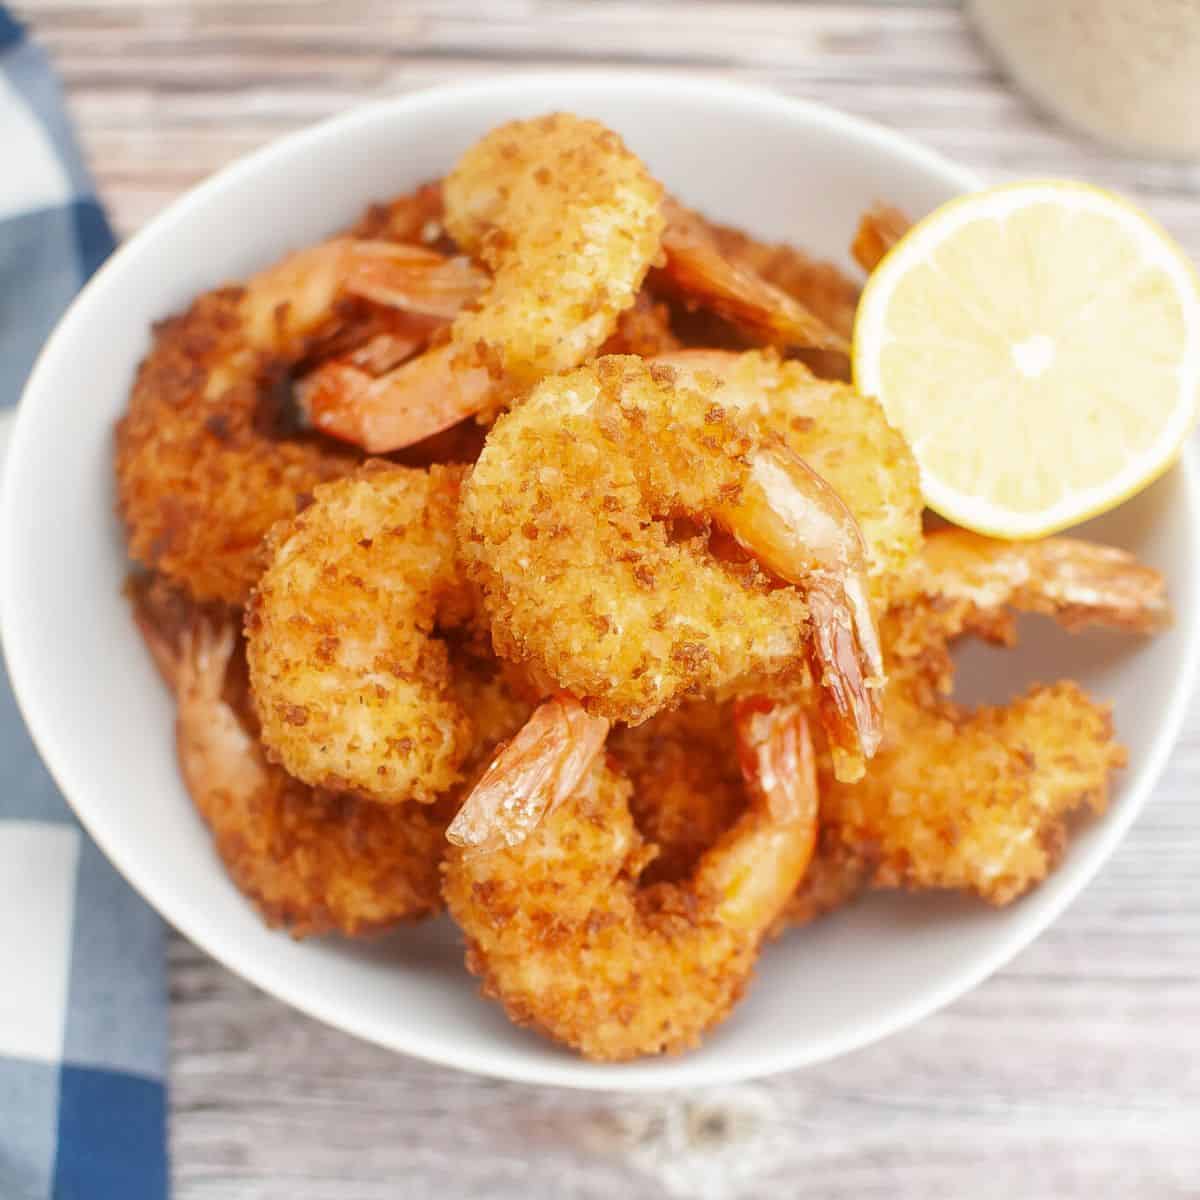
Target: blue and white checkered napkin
82,998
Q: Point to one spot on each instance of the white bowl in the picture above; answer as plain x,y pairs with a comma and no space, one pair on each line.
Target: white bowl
103,721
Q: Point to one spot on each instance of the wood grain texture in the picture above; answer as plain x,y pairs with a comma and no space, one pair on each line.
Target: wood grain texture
1075,1072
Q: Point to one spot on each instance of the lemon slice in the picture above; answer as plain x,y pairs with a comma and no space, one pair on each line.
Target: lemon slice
1039,346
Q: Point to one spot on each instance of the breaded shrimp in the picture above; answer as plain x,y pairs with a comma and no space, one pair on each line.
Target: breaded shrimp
353,688
566,527
981,800
205,461
311,861
568,938
567,221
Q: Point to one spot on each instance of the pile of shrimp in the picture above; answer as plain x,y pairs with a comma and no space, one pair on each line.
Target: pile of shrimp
523,552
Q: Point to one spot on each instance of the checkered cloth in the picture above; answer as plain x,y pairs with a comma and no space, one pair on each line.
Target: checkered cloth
82,999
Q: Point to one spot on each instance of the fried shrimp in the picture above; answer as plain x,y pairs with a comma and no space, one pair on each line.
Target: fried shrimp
567,221
977,801
573,526
353,686
311,861
205,464
981,800
568,937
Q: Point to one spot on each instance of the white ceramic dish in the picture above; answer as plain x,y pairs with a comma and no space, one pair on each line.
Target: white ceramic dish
103,721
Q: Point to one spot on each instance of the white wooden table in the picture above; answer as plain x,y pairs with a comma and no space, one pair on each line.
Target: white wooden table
1073,1073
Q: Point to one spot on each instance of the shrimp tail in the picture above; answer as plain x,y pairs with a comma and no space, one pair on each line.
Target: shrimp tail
190,646
400,408
800,528
530,777
847,665
697,270
879,229
775,753
204,653
413,279
1078,583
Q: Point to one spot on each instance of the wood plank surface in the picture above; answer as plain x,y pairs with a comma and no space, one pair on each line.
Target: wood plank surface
1074,1073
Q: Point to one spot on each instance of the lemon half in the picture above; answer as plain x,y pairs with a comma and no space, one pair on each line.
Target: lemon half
1039,346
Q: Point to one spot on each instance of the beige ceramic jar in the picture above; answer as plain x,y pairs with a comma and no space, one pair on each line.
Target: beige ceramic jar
1125,71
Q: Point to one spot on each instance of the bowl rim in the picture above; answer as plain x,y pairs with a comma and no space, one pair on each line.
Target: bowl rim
649,1074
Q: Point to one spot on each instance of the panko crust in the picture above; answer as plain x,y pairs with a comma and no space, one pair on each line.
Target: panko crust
564,526
978,801
353,688
569,221
312,862
318,862
201,479
560,934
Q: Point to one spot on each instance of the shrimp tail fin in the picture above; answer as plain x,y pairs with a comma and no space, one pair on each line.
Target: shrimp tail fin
408,404
775,752
413,279
847,664
190,645
530,777
800,528
206,648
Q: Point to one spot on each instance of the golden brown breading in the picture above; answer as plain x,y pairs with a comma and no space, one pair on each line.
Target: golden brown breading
568,221
201,477
566,935
353,688
977,801
311,861
560,527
